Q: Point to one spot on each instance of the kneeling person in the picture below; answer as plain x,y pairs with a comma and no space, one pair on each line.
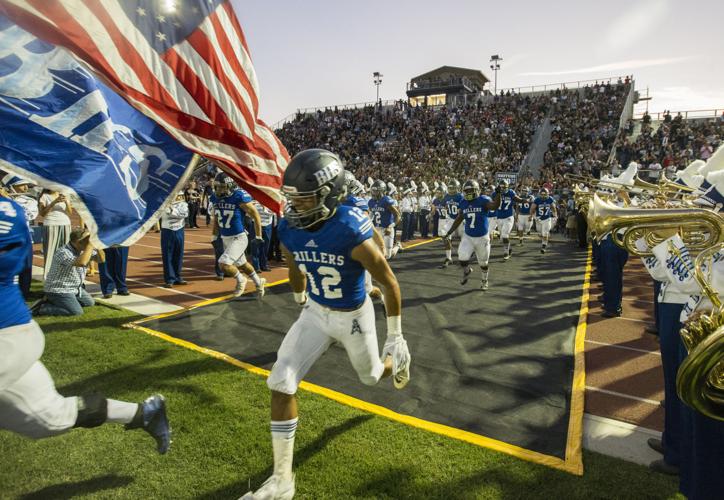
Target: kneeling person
65,294
328,247
474,210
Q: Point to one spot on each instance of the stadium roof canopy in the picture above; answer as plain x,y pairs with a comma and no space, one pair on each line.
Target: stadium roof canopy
474,74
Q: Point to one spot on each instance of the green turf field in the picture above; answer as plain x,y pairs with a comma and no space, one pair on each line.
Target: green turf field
221,437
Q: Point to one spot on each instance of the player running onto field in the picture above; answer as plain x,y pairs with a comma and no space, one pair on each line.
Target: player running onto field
474,211
508,199
29,402
230,203
385,215
328,247
525,221
449,208
544,208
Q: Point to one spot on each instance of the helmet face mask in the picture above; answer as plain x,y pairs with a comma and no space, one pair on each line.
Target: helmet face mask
378,189
223,185
454,187
543,193
313,185
471,190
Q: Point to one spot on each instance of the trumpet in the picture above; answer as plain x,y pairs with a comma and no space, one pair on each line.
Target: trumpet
699,228
700,379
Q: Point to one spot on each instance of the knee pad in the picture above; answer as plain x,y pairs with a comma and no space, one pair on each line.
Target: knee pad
92,410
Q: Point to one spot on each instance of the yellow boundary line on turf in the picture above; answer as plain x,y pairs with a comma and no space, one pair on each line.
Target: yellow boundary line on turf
572,463
574,453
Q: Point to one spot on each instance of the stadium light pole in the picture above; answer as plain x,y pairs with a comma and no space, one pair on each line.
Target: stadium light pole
495,66
377,81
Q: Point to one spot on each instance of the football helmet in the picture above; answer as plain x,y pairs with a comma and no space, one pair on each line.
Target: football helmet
223,185
543,193
349,180
454,187
313,186
503,184
378,189
356,189
471,189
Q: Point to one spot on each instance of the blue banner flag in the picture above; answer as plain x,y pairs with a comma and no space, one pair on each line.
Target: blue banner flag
67,131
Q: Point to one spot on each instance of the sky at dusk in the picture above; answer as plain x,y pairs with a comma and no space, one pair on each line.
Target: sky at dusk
318,53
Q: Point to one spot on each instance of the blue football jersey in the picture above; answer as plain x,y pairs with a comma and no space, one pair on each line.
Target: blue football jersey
15,247
524,206
334,279
543,208
380,211
452,203
440,208
228,213
507,203
476,215
356,201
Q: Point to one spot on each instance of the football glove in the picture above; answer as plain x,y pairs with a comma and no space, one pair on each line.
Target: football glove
396,347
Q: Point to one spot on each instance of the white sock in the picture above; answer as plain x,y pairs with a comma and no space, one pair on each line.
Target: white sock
485,274
255,278
239,277
448,254
282,432
120,412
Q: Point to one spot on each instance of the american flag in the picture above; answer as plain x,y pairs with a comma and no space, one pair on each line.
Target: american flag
184,63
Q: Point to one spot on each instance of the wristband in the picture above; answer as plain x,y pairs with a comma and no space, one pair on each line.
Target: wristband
300,297
394,325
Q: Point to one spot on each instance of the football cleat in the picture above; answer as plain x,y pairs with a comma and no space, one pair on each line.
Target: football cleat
484,285
543,250
506,256
466,275
240,286
445,263
261,289
274,488
155,422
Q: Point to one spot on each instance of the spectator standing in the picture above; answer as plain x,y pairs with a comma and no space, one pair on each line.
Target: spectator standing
193,199
55,209
407,208
19,187
260,256
65,293
275,251
655,171
172,240
424,201
112,272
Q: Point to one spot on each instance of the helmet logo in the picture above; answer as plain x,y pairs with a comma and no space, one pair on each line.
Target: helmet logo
328,173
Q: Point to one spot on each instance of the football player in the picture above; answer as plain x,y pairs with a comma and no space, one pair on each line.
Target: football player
328,247
544,208
474,211
355,190
525,221
448,211
230,203
385,215
29,402
504,214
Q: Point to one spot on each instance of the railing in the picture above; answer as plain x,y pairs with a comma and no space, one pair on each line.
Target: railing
688,115
565,85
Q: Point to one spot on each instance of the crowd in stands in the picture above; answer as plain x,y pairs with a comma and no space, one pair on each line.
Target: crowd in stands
671,145
423,143
586,124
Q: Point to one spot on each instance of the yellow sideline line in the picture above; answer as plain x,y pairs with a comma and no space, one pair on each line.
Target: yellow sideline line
445,430
573,462
574,455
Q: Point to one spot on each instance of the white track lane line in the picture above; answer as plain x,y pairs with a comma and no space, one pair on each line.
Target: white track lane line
184,268
173,290
621,395
619,346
